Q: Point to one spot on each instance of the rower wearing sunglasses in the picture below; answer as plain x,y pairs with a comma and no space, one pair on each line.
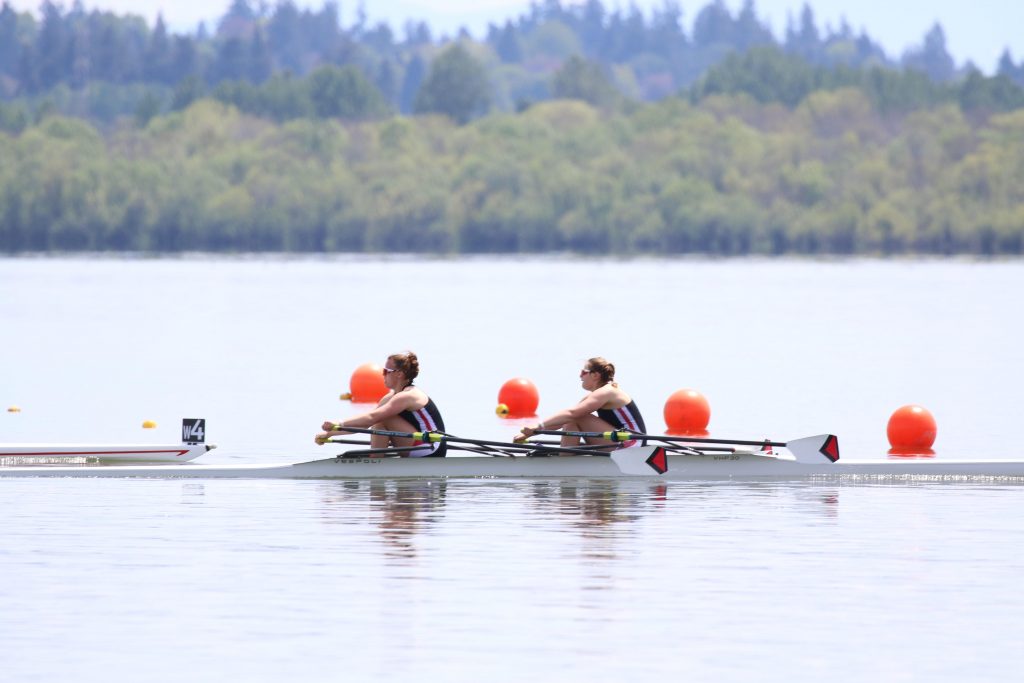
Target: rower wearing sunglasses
605,408
405,408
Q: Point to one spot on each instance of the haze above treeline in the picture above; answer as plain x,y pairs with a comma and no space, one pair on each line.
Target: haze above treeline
718,139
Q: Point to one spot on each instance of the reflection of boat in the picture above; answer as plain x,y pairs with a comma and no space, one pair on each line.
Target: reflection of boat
192,446
649,462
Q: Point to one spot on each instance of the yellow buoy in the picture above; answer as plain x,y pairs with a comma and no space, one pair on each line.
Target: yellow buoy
149,424
502,410
345,397
14,409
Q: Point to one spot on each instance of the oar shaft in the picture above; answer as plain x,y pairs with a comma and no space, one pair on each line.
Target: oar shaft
379,432
353,442
525,446
622,435
434,437
376,451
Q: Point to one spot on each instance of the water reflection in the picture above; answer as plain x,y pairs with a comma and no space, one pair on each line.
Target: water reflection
601,513
399,509
595,506
610,519
817,498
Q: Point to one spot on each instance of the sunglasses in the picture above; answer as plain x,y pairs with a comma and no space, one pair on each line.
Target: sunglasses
586,371
388,371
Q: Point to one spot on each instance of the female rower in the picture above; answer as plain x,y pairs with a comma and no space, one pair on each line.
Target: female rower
404,408
606,408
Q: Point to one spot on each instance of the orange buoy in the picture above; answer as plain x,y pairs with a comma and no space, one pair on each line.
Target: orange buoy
520,398
911,431
367,384
687,413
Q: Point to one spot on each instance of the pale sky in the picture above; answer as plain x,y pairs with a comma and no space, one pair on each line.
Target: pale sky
975,29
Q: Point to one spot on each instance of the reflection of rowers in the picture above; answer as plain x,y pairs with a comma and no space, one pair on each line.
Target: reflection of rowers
606,408
404,408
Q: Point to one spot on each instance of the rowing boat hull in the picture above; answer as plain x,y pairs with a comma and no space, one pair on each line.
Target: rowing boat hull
101,453
680,468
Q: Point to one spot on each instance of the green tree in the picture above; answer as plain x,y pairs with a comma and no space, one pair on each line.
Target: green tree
455,86
147,107
580,79
188,90
343,92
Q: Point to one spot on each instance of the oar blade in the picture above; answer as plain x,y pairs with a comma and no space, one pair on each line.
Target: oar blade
641,461
813,448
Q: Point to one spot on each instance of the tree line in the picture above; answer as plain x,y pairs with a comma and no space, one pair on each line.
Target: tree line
535,139
726,174
100,65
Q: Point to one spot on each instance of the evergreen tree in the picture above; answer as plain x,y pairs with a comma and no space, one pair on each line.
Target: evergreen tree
108,61
52,47
999,93
184,59
666,32
805,39
713,25
1009,69
232,61
415,72
592,28
158,54
10,45
260,60
417,34
749,31
284,32
506,44
932,58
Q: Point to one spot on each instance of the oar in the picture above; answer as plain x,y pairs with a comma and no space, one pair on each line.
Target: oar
354,442
434,437
807,449
647,461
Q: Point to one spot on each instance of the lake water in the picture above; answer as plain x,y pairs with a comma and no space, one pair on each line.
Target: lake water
151,580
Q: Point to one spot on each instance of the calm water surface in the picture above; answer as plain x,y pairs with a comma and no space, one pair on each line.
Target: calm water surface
482,580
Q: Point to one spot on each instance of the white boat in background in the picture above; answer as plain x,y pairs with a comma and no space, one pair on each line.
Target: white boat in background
192,446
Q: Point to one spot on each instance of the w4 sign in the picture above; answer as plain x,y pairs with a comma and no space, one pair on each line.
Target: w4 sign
193,430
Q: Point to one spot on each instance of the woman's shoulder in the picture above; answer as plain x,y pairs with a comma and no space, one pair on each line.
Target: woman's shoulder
615,395
414,396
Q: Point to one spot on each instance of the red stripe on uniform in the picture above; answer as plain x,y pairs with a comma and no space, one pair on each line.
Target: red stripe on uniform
426,422
627,419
